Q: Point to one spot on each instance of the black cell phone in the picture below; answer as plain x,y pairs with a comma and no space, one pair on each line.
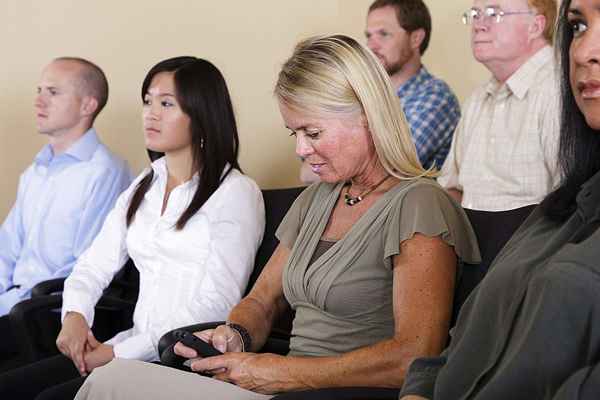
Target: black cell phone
190,340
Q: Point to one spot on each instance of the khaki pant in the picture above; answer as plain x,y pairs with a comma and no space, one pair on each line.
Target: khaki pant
131,380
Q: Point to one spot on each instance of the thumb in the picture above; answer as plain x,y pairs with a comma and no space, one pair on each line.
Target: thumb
92,341
219,342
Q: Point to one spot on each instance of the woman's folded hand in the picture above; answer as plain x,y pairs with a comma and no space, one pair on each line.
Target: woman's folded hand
72,339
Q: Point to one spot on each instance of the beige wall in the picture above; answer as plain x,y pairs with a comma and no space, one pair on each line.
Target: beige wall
247,40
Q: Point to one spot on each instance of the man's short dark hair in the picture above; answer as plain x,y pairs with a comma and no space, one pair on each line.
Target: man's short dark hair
411,15
93,81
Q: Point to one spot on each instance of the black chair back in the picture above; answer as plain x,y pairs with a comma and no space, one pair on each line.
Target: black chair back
277,203
492,229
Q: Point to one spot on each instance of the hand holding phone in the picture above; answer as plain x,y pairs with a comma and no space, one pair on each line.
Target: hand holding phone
192,341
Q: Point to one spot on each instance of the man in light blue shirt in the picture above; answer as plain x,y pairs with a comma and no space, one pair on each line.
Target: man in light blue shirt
64,196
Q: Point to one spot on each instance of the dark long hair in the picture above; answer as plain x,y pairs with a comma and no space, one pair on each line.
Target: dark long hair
579,152
202,93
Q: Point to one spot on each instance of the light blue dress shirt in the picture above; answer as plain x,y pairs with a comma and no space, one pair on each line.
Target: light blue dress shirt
60,207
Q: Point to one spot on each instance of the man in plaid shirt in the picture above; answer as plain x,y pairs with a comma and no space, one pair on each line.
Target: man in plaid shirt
398,33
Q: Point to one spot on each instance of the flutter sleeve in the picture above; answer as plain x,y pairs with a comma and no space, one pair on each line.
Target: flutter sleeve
427,209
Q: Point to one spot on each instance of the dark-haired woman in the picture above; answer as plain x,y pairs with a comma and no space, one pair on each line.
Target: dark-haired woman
191,223
531,330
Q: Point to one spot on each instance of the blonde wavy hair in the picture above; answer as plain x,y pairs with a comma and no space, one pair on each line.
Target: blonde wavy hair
337,75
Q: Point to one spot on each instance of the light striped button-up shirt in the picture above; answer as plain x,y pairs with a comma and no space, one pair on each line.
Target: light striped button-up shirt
505,149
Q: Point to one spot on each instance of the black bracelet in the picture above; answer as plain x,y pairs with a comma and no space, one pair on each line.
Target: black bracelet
244,335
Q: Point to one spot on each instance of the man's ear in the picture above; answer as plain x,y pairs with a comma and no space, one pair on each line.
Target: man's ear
536,29
416,38
89,105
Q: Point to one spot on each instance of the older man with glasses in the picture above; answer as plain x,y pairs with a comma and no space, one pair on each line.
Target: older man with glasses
504,151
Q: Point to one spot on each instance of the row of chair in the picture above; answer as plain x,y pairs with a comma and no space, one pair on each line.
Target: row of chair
36,322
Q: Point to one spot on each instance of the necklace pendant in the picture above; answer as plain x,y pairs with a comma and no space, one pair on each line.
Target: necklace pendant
350,200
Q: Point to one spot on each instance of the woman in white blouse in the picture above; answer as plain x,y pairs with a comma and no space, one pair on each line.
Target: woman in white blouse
192,223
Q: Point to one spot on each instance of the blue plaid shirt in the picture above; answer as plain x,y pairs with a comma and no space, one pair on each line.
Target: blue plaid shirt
432,111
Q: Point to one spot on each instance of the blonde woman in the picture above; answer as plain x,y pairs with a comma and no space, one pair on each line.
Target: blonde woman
367,258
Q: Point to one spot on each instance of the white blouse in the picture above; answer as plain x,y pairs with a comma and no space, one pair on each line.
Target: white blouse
190,276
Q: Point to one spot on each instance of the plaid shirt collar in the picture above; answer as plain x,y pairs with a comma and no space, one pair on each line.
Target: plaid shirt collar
521,80
416,82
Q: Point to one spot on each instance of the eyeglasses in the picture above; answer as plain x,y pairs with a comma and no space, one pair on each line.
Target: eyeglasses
496,14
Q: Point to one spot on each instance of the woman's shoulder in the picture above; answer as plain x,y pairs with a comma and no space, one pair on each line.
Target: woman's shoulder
419,190
239,182
236,192
425,207
421,194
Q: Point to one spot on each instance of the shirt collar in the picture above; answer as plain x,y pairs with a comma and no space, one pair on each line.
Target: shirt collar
159,167
415,81
160,171
44,157
523,78
83,149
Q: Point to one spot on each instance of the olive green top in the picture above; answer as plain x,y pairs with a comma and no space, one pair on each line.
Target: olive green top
343,300
531,329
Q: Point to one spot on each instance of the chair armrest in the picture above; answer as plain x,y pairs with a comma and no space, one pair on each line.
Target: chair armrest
48,287
36,326
24,318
